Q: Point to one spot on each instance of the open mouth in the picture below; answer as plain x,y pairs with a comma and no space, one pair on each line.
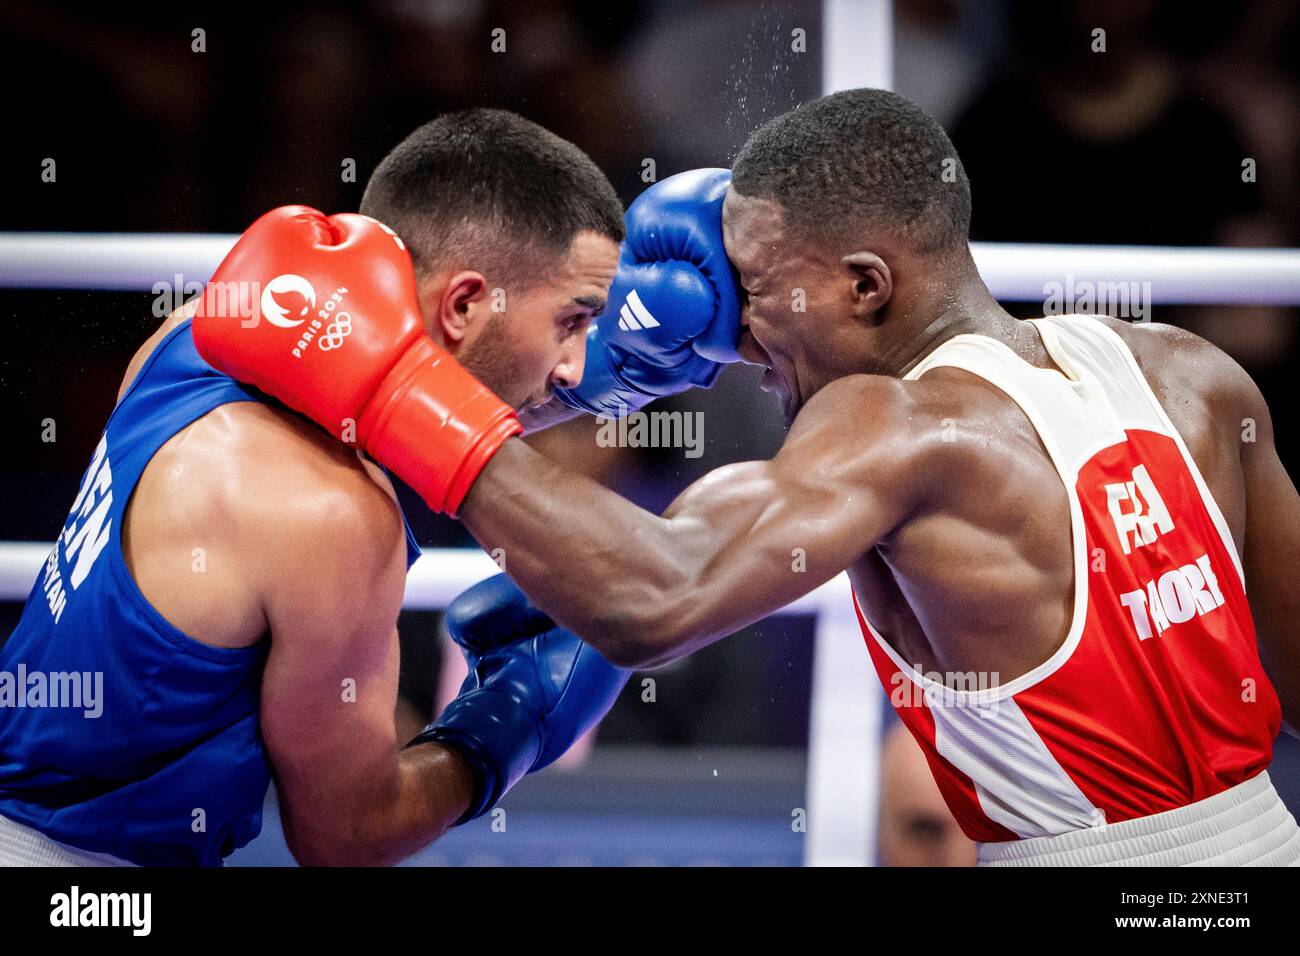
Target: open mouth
535,401
750,352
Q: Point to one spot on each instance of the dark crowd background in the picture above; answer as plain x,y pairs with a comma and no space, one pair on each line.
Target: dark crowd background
1141,144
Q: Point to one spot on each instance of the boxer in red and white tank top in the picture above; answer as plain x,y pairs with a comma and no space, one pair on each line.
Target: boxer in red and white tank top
1065,509
1157,701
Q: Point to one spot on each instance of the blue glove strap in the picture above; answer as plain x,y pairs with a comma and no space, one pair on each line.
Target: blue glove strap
498,738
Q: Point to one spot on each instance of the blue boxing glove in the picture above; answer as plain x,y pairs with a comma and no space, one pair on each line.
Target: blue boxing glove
673,318
533,689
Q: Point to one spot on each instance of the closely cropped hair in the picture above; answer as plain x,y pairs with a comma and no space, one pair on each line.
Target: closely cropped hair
856,163
489,190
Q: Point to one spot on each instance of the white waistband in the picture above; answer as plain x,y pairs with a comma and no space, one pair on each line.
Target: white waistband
22,846
1246,825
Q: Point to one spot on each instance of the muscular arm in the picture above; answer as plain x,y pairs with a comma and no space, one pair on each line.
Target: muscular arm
348,794
737,545
1272,553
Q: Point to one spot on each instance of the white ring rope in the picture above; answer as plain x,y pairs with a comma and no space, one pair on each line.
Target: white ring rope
438,576
1014,271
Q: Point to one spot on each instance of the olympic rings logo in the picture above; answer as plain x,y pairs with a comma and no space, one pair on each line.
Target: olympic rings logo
335,333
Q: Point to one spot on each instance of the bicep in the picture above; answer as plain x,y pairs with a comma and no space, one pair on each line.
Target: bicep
328,694
327,707
764,540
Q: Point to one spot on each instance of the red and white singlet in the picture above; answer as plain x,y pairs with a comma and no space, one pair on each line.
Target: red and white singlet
1146,737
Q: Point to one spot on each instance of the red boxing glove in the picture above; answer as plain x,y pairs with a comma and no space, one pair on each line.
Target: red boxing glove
320,312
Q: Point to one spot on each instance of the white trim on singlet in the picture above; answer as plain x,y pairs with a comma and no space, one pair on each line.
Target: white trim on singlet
1098,395
984,734
1052,331
1053,338
993,375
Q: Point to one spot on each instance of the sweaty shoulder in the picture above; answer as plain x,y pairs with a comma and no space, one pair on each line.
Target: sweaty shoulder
947,439
308,498
1212,402
894,428
874,407
283,513
1188,374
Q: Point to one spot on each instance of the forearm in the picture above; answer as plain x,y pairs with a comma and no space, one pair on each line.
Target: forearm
436,785
430,788
598,564
737,545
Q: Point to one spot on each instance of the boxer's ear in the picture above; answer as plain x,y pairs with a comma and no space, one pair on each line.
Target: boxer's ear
451,313
872,284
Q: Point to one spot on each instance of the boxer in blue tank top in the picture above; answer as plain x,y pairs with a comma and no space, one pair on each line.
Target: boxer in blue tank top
172,769
219,608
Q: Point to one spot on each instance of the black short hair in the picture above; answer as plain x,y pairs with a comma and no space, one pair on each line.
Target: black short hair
857,162
489,190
